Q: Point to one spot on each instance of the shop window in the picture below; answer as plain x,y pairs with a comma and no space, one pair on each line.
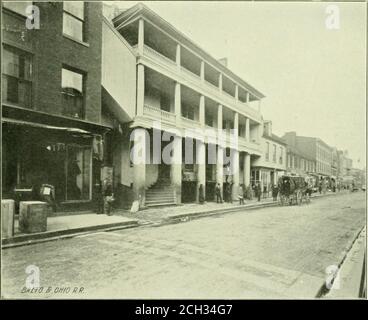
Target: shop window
78,173
72,93
73,19
17,77
274,153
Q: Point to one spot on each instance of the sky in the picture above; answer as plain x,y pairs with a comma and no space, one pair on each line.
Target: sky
314,78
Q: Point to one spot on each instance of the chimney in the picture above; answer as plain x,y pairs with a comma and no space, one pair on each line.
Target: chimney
223,61
290,138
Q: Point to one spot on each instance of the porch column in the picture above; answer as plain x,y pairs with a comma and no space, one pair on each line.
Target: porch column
259,105
178,55
246,169
201,161
202,71
140,36
236,122
236,93
235,164
140,89
220,168
220,152
202,110
177,102
139,164
176,168
247,130
247,97
220,82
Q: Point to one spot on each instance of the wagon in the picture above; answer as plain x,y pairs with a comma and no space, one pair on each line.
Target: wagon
293,190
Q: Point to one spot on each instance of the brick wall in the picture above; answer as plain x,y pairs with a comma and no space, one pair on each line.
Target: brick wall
51,51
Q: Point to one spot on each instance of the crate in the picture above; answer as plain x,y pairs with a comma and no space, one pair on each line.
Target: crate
7,218
32,216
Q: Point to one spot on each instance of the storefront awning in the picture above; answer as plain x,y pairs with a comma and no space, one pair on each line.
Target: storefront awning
44,126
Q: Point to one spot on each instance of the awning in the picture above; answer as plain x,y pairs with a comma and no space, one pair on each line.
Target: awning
45,126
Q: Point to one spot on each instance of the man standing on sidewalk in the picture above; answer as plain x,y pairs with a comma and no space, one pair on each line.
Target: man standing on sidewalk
258,191
218,193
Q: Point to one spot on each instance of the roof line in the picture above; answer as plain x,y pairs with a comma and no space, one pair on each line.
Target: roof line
140,7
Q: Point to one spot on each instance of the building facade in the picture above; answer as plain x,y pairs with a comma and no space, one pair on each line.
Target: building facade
313,149
51,100
181,88
297,163
272,164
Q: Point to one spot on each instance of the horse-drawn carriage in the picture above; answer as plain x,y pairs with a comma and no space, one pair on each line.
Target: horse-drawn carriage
294,190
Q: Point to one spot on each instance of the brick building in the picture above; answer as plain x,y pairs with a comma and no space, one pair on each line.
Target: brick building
272,164
51,100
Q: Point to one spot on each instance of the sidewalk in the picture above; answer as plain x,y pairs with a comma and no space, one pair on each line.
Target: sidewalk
195,210
71,225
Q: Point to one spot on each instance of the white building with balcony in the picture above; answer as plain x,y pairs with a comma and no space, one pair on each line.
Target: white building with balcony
183,87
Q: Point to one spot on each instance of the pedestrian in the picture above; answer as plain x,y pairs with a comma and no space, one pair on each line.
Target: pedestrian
258,191
265,193
108,196
275,191
241,194
218,193
201,194
231,192
228,192
320,186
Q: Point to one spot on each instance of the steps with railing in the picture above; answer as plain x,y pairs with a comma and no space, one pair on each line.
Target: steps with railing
161,193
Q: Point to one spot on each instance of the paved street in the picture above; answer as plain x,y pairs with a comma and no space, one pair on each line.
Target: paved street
267,253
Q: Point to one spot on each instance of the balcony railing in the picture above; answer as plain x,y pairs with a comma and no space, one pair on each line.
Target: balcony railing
191,74
159,114
155,54
190,123
227,98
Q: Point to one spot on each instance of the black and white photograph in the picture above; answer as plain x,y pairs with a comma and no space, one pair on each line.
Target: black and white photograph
183,150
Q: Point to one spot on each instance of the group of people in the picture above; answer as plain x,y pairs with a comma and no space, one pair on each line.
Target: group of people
243,192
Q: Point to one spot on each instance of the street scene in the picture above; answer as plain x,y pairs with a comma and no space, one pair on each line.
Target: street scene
183,150
278,252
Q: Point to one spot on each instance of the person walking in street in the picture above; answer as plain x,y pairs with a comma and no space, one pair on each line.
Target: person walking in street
241,194
320,186
275,192
218,193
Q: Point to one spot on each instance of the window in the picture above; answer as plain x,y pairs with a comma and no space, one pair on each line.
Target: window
209,120
281,155
72,93
18,7
73,19
267,151
17,77
187,111
274,153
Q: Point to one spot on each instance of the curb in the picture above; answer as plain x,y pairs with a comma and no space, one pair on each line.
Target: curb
28,239
326,293
33,238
